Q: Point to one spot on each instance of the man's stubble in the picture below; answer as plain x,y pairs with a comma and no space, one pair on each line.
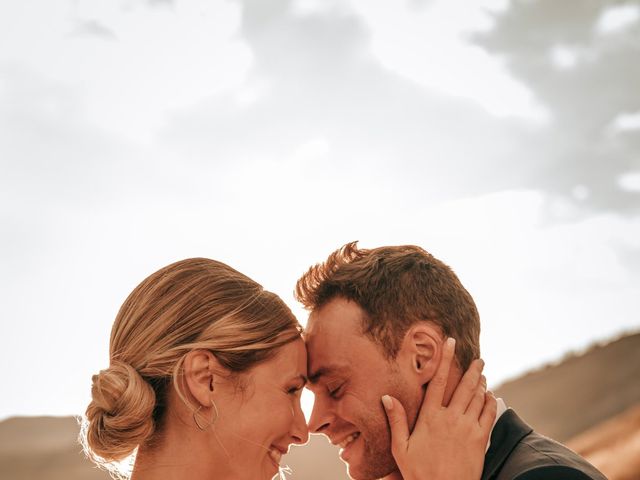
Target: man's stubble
378,461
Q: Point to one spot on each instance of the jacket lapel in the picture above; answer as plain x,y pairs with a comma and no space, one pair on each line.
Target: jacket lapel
506,434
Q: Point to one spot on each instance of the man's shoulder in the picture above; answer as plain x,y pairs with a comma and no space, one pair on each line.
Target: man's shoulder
516,452
537,457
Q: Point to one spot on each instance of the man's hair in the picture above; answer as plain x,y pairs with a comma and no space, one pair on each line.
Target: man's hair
396,287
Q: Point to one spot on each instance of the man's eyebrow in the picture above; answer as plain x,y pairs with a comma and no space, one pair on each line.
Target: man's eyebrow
324,371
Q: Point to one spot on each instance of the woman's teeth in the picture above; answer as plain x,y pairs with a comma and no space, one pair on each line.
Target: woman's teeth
275,455
348,440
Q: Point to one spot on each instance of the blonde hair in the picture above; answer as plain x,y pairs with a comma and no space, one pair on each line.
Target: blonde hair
196,303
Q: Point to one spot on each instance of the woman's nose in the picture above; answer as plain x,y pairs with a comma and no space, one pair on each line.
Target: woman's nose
300,430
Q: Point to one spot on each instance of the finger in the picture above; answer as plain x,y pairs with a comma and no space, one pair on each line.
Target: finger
489,412
466,389
397,418
477,402
435,390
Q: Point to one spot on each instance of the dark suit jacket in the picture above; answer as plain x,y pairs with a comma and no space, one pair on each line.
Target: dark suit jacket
517,452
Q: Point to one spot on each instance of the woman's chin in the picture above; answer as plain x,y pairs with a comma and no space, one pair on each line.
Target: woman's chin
273,467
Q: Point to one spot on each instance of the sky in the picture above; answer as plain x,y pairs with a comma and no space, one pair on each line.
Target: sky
503,137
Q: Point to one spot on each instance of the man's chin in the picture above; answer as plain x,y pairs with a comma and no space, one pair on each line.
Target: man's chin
356,473
361,467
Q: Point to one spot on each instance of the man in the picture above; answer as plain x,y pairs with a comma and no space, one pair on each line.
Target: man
378,320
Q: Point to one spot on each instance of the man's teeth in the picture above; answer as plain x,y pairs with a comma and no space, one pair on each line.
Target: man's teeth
348,440
275,455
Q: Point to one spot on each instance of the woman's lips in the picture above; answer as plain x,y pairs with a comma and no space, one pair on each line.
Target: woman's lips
275,453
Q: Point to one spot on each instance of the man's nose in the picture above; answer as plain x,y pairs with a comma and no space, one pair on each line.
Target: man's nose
320,417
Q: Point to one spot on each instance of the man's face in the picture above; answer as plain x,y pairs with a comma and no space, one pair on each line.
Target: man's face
348,375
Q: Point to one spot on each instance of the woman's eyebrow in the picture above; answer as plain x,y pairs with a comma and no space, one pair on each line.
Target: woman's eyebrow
301,378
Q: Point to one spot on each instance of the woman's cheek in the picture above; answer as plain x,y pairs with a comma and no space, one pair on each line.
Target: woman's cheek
285,417
276,417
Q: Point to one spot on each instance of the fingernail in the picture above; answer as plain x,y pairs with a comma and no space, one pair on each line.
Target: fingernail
387,402
451,341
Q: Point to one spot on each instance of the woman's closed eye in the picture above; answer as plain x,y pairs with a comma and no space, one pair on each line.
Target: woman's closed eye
295,389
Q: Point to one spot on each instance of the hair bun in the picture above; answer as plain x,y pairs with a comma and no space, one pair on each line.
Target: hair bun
120,415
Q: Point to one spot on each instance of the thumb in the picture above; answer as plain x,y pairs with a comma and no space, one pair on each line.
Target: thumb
397,418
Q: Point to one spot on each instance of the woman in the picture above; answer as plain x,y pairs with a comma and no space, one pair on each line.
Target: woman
206,370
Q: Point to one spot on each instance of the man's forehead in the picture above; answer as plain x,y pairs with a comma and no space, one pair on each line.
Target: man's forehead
326,350
337,317
330,336
334,337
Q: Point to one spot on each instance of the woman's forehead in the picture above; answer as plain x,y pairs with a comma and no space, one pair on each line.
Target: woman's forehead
289,361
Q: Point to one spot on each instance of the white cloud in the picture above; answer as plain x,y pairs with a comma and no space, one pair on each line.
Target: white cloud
626,122
630,181
564,57
275,172
314,7
158,59
616,18
430,46
580,192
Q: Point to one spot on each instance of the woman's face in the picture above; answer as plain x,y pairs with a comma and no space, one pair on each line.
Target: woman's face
257,423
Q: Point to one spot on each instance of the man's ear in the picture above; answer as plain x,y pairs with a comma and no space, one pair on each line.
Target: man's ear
200,369
421,348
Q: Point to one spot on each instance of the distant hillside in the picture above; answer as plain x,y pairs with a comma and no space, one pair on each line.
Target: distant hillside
567,398
596,394
43,448
613,445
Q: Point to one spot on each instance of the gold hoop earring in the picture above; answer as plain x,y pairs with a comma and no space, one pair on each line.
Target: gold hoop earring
213,418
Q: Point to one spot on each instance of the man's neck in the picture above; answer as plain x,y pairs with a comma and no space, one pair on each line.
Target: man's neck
395,475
